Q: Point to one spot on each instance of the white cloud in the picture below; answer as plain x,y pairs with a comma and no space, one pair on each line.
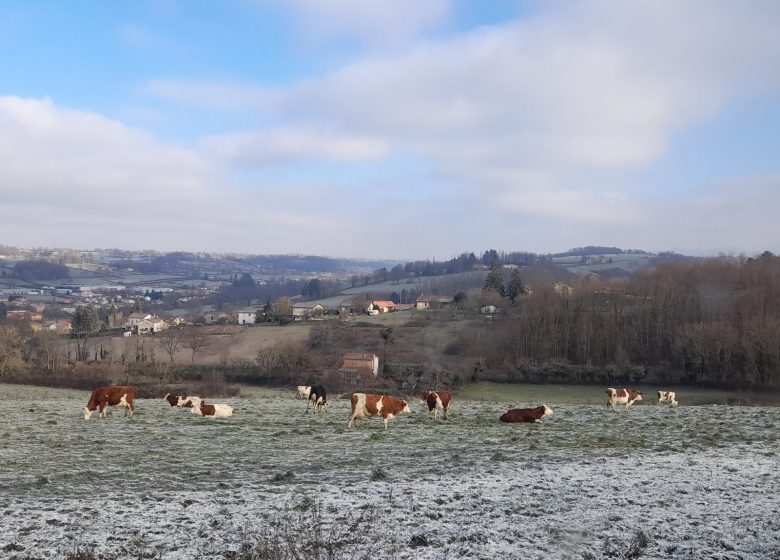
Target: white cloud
533,117
279,145
369,21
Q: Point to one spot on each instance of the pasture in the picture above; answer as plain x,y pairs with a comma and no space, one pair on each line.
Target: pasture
650,482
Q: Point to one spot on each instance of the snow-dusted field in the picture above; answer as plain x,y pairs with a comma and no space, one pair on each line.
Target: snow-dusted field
652,482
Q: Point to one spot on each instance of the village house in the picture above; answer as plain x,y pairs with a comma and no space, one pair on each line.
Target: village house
380,306
433,301
366,364
563,288
134,318
246,316
59,326
151,326
23,315
307,310
216,317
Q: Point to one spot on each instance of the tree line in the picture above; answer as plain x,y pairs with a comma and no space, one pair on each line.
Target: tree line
713,322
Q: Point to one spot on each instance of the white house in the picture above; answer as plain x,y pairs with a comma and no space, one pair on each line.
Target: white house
152,325
246,316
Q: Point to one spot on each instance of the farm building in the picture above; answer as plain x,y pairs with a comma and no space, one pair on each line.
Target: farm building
433,301
367,364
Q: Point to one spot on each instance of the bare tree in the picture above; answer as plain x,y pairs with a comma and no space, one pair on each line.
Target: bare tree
169,341
195,340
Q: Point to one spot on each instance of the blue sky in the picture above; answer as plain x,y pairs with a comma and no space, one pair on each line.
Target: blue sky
390,128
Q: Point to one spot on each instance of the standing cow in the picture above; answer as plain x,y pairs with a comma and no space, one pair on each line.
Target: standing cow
622,396
437,400
372,405
667,396
318,397
113,395
303,391
526,414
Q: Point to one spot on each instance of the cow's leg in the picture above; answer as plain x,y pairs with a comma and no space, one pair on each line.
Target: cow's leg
386,423
351,421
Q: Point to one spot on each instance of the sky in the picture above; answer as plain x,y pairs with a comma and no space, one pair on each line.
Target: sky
392,129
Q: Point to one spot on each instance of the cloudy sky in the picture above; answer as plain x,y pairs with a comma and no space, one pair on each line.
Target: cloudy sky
390,128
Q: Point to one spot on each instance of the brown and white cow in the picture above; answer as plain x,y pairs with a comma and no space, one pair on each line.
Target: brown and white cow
437,400
112,395
212,410
182,400
622,396
303,391
667,396
364,404
526,414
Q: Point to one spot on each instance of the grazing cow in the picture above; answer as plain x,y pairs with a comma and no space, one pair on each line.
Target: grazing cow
212,410
303,391
622,396
182,400
371,405
437,400
527,414
318,397
667,396
113,395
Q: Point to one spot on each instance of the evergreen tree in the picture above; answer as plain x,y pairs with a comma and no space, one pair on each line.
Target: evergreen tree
494,280
515,287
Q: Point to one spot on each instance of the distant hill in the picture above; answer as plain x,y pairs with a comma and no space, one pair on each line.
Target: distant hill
312,263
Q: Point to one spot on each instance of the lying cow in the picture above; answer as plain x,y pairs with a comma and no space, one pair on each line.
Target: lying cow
622,396
437,400
372,405
303,391
526,414
212,410
667,396
113,395
182,400
318,397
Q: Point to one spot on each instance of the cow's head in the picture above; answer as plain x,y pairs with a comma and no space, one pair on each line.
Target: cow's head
196,407
87,413
424,396
405,407
547,410
172,399
638,396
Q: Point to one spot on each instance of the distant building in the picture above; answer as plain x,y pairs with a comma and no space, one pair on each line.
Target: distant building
366,364
380,306
134,318
307,310
59,326
23,315
433,301
150,326
246,316
563,288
